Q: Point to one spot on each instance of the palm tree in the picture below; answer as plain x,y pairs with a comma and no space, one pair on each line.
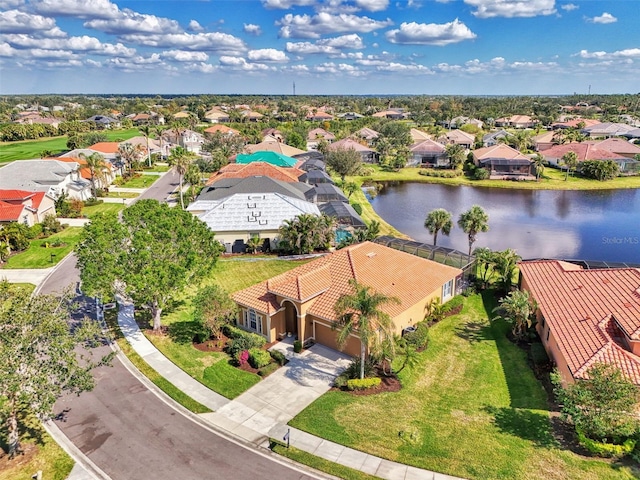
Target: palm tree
438,220
539,163
193,176
456,154
180,158
472,222
570,160
129,154
360,313
159,130
517,309
95,164
146,130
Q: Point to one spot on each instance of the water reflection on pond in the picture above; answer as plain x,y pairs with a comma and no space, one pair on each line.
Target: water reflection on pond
590,225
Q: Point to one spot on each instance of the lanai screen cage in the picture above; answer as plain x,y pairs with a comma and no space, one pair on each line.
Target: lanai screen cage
446,256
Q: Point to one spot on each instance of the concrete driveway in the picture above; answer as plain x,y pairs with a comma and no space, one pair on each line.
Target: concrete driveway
283,394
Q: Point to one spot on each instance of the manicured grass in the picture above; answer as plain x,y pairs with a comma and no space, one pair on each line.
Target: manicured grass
94,210
321,464
122,195
212,368
163,384
471,408
143,181
48,457
157,169
28,149
552,180
39,256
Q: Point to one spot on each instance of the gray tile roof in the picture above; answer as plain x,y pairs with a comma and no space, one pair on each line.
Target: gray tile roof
249,185
35,175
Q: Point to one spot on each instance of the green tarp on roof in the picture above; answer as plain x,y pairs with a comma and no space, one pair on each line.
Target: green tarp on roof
274,158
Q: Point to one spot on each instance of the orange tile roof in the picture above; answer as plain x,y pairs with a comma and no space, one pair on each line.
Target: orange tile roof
105,147
498,151
583,308
322,281
584,151
10,212
37,199
256,169
221,129
22,195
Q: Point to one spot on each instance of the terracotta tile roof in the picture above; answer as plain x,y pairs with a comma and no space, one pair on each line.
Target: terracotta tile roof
349,144
105,147
588,122
273,146
584,151
499,151
322,281
617,145
10,212
428,146
579,306
37,199
256,169
222,129
22,195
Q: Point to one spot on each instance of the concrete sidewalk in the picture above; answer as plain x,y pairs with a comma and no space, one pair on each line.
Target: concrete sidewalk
263,410
25,275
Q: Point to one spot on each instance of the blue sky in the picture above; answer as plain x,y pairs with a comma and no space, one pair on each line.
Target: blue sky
476,47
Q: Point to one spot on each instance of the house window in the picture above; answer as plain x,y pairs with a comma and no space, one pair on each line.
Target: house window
253,321
447,288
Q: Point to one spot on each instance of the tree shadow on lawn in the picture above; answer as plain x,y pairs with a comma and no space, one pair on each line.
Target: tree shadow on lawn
525,424
475,332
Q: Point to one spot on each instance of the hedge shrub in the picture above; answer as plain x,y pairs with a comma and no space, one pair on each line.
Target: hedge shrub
481,174
297,346
418,338
363,384
454,305
241,340
431,172
278,357
259,358
357,207
268,369
609,450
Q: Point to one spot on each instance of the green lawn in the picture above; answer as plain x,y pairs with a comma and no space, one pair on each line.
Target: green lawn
471,408
157,169
93,210
142,181
122,195
552,180
47,456
212,368
39,256
10,151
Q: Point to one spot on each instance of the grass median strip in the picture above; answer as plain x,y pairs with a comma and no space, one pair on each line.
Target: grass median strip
318,463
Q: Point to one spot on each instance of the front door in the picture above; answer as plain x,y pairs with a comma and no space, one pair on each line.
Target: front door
291,318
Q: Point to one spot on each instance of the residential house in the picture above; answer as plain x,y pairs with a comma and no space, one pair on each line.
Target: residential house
49,176
349,116
316,135
607,129
516,121
222,129
586,151
188,139
25,207
418,135
251,116
256,169
367,134
504,162
226,187
242,216
428,153
367,154
493,138
271,133
274,158
301,302
314,177
326,192
319,116
35,118
217,116
108,170
392,114
273,145
103,121
544,141
618,146
458,137
311,160
575,123
459,121
586,316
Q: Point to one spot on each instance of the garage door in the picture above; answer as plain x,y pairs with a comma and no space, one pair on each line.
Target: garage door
327,337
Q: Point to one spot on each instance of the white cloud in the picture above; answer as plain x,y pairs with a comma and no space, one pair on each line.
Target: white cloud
495,66
194,26
627,53
372,5
130,22
14,21
306,26
511,8
10,4
430,34
569,7
7,50
330,46
82,43
212,42
404,68
267,55
183,56
252,29
287,4
42,53
239,63
102,9
603,19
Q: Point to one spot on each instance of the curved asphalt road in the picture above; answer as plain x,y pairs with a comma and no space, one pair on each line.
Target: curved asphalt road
130,433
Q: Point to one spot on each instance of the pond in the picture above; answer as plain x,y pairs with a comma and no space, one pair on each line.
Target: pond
589,225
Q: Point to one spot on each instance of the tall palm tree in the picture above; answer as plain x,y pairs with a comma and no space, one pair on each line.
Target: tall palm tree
539,163
472,222
129,154
95,164
570,160
193,176
360,313
159,130
146,131
438,220
180,158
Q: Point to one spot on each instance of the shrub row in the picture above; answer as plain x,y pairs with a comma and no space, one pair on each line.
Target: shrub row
268,369
363,384
431,172
241,340
278,357
602,449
